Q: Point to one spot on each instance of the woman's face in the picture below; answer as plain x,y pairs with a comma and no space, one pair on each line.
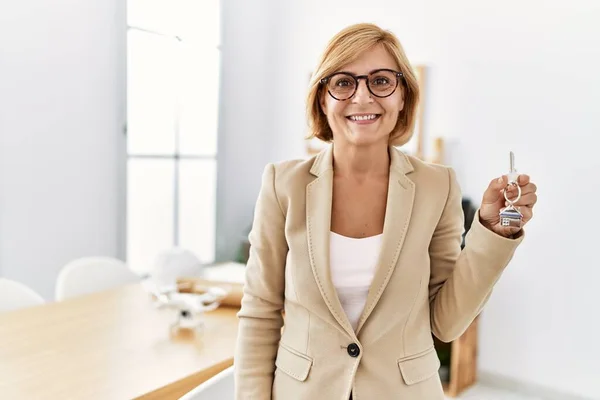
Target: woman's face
364,119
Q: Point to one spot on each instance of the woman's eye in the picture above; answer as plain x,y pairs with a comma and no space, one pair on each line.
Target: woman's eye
344,83
380,81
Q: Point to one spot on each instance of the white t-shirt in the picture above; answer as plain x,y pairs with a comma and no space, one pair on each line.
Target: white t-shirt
352,263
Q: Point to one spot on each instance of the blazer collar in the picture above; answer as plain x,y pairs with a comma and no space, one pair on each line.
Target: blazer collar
401,191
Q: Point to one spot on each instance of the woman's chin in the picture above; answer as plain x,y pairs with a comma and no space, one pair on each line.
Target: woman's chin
364,139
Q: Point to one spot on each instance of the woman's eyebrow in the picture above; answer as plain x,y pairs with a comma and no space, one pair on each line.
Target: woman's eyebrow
380,68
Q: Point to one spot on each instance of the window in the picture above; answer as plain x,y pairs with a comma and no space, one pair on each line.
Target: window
172,104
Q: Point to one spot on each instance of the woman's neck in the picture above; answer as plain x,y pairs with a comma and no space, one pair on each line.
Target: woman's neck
361,162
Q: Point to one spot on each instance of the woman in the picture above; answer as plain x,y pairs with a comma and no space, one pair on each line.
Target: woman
360,246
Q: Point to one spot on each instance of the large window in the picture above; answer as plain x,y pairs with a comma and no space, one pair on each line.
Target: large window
172,101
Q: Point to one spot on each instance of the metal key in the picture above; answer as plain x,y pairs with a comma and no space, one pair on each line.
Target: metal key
512,175
510,215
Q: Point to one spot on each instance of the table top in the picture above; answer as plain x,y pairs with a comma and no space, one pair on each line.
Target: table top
109,345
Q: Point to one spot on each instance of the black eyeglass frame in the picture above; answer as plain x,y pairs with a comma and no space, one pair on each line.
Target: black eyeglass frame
357,79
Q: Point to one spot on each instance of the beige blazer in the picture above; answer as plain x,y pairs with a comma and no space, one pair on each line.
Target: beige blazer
423,284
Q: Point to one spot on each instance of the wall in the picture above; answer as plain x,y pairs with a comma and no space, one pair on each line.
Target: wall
246,117
62,110
518,76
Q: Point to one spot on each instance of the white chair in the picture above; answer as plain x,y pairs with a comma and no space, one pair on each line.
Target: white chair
174,263
219,387
15,295
92,274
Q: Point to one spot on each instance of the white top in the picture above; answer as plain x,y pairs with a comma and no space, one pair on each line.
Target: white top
352,265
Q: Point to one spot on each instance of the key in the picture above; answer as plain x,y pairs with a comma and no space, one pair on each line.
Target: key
512,174
510,215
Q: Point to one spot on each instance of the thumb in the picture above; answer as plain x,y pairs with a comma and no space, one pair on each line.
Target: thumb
494,190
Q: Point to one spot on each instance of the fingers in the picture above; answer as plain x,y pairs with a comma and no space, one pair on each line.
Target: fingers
496,188
523,180
512,192
527,213
526,188
529,188
527,200
494,191
526,185
498,183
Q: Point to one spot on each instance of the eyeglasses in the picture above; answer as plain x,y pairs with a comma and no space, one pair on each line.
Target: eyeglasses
381,83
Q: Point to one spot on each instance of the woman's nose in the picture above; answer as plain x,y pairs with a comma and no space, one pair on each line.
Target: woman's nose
362,94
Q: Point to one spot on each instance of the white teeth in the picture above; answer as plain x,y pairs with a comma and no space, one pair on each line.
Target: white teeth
362,117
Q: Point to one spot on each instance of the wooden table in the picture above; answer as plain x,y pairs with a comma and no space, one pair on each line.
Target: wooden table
109,345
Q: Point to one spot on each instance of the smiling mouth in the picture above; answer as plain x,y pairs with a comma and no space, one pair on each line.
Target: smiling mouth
364,118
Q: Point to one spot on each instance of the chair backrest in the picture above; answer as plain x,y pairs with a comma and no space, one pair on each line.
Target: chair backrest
174,263
220,386
15,295
92,274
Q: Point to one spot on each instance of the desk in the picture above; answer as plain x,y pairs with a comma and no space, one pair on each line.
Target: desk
109,345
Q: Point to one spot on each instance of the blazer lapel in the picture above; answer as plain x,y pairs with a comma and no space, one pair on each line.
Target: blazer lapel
401,192
318,224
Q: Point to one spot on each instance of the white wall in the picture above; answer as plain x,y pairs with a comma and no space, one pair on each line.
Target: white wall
246,118
62,109
519,76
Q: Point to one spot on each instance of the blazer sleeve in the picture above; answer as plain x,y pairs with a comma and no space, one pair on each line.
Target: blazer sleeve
462,281
260,315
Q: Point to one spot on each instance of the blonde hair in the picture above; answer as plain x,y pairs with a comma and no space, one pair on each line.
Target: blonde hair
344,48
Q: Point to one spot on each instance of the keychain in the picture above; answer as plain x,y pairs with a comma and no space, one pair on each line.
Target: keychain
510,216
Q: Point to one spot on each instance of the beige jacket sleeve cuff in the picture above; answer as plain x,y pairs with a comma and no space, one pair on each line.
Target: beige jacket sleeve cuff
481,239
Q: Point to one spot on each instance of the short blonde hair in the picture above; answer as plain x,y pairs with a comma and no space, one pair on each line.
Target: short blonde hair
344,48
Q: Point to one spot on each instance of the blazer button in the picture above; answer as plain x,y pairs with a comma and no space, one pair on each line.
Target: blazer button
353,350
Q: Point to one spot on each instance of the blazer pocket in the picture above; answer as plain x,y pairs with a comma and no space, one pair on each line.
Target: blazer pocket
293,363
420,366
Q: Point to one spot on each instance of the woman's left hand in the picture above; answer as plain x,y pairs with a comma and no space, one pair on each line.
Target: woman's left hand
493,201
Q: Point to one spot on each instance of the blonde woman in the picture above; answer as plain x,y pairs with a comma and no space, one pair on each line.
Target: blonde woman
355,253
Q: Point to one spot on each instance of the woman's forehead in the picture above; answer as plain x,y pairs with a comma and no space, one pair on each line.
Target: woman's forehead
371,60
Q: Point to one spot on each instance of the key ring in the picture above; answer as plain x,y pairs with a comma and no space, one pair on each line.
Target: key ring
511,202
